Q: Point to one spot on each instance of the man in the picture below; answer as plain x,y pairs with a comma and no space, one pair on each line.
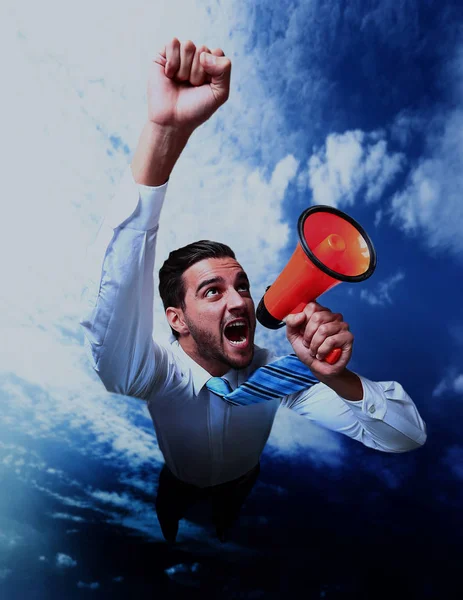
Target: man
211,448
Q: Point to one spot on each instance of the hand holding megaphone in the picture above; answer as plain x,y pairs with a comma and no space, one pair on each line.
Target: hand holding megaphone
314,333
332,248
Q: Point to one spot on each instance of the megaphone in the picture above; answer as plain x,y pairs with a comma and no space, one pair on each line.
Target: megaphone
332,248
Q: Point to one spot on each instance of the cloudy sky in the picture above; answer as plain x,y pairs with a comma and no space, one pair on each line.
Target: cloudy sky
354,104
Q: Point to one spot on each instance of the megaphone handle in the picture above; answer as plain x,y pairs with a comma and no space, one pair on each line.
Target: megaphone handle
335,354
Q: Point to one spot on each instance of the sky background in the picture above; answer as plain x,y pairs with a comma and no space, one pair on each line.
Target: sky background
355,104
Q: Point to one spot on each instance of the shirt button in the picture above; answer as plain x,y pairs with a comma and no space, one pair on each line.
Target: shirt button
372,409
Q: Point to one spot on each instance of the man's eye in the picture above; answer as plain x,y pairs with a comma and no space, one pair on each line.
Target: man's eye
211,292
243,287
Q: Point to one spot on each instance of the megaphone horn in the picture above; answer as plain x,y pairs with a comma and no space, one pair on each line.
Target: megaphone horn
332,248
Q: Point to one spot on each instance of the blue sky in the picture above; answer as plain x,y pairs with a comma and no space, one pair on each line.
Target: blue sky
353,104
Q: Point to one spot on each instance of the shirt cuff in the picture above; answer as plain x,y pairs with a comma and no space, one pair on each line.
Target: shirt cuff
134,205
374,403
387,401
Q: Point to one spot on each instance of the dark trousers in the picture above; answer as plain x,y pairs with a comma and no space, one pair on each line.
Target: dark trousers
174,497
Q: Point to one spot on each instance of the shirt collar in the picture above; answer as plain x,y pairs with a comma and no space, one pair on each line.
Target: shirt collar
199,374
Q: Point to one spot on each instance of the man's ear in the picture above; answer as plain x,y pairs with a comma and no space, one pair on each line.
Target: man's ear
176,320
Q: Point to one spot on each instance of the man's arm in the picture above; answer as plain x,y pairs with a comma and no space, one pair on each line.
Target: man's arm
157,152
386,419
186,85
378,414
183,92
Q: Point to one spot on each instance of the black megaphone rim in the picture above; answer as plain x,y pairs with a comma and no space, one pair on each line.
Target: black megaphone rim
317,262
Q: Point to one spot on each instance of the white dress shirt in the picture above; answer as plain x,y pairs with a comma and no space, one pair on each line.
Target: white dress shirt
204,440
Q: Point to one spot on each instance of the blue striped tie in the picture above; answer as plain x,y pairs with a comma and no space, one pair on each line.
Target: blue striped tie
275,380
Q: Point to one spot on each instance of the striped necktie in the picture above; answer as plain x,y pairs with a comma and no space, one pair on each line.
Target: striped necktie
275,380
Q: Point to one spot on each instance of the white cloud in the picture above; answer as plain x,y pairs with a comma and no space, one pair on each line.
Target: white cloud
452,383
430,207
292,435
67,501
119,500
91,586
67,517
352,163
24,462
148,487
382,294
458,384
131,513
115,425
64,561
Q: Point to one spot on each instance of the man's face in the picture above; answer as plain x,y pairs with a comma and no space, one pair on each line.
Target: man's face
219,315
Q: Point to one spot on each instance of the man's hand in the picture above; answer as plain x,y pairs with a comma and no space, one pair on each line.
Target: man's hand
316,331
186,85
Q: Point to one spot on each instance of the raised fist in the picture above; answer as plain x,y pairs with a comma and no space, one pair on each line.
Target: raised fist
186,85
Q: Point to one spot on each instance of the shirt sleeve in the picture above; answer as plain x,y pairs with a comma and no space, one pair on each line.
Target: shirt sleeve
385,419
118,299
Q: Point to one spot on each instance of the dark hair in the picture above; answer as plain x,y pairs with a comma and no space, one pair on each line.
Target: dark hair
171,284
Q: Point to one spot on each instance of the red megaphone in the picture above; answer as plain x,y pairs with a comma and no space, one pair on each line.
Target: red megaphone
332,248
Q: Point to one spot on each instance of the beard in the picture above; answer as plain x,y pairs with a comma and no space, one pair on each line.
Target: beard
211,347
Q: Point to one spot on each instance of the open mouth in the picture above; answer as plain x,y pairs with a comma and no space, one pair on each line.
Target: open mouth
237,333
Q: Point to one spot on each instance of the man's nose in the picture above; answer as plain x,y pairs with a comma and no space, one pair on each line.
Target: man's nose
235,300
